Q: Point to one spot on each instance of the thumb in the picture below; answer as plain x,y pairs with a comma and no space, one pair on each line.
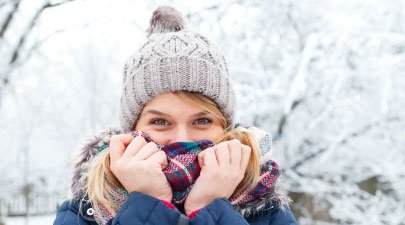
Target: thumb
201,156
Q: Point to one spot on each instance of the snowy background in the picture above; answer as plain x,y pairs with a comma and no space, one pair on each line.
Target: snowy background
326,78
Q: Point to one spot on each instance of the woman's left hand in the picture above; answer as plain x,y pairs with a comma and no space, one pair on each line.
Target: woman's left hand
222,169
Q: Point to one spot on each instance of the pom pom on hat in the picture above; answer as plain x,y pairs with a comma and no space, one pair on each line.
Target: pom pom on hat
165,19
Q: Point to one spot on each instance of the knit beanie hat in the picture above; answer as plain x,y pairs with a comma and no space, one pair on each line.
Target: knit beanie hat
174,58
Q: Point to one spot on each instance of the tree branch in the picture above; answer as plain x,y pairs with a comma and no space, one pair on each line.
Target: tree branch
49,5
298,86
9,18
295,26
16,53
340,141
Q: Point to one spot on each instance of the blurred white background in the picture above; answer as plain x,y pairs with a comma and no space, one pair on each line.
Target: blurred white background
326,78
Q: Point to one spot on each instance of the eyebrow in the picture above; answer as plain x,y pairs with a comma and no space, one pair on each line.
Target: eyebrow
156,112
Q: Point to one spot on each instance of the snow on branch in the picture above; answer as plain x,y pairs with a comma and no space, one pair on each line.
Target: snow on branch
343,139
9,18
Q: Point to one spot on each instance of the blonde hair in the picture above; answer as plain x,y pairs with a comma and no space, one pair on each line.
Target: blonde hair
101,181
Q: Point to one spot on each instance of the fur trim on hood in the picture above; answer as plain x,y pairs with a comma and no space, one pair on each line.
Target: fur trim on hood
82,161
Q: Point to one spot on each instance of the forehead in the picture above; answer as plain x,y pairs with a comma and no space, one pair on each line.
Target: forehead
169,99
170,103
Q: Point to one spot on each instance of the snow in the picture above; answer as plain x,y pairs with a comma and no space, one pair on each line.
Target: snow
33,220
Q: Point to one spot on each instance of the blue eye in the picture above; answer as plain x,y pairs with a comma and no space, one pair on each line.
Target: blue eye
203,121
159,122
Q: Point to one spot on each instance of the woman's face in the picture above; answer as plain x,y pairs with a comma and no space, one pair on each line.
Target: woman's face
167,118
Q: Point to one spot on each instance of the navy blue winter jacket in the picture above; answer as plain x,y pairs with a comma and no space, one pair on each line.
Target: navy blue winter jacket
141,209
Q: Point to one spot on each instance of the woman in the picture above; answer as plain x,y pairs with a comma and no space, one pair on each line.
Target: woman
179,158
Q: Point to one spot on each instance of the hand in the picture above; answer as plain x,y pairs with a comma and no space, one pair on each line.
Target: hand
138,166
222,169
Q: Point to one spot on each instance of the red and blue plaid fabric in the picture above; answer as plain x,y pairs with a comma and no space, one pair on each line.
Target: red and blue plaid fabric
183,169
269,173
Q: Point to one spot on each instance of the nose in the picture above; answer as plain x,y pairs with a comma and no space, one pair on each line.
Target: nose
182,134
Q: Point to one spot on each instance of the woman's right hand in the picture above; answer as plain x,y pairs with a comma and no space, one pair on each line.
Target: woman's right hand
138,166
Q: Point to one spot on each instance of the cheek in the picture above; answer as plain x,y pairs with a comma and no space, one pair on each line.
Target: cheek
209,134
155,135
216,132
158,136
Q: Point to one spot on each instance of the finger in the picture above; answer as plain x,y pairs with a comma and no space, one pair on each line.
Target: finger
117,145
209,158
201,156
158,157
235,152
146,151
136,144
246,152
222,153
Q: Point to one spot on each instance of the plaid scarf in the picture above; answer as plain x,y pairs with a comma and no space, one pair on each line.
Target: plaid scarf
183,170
